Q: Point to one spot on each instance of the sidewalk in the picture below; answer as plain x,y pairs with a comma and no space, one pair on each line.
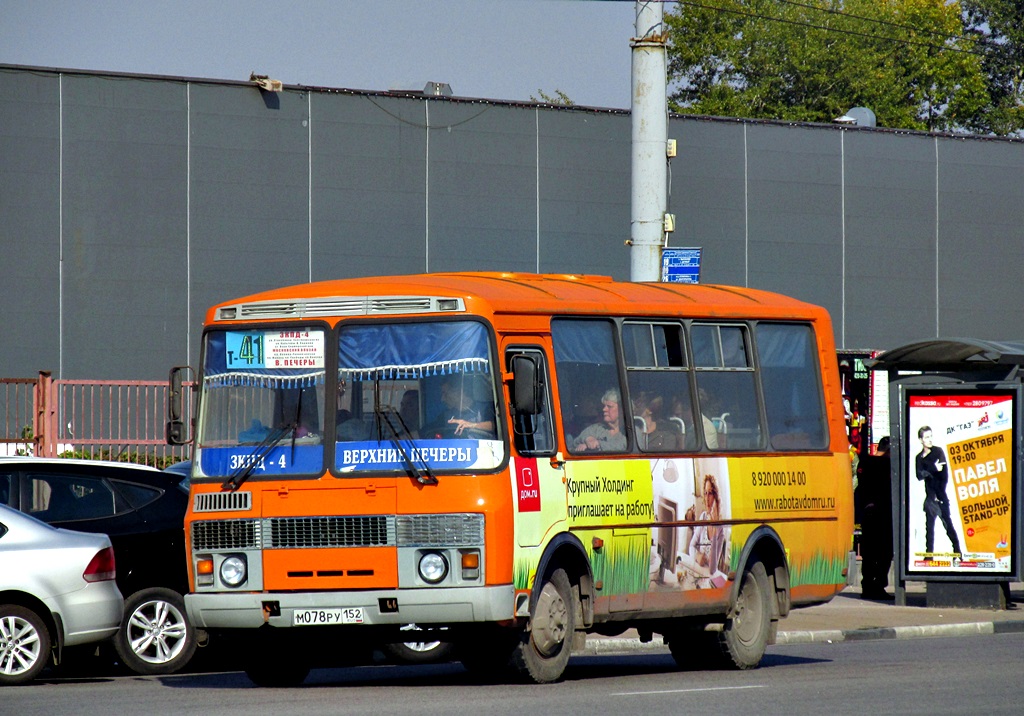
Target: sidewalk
848,617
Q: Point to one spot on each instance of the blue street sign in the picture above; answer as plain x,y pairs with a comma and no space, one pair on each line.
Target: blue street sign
680,265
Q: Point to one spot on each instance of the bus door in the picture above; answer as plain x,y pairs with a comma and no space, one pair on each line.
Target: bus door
538,480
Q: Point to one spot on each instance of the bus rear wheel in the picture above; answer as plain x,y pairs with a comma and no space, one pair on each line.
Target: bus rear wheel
543,652
745,634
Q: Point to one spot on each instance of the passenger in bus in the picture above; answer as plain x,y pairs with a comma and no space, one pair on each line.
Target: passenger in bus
681,412
658,435
346,429
607,435
462,398
710,431
409,410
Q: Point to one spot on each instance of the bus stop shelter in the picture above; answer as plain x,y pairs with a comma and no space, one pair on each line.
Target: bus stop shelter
955,457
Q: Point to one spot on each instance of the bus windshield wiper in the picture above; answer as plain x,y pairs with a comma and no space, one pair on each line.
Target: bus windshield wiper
384,415
259,453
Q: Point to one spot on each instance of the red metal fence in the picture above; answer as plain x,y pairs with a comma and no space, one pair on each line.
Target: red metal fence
97,419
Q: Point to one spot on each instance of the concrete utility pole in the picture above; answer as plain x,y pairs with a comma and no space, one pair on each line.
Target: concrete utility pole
650,142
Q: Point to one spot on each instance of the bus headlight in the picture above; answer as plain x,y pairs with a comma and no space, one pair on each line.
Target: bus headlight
233,570
433,567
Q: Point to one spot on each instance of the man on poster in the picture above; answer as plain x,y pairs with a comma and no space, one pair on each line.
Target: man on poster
932,468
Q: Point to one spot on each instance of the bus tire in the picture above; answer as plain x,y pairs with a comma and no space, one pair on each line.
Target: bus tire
543,651
418,652
746,632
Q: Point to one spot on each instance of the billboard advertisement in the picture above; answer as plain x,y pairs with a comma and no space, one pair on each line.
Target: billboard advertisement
959,483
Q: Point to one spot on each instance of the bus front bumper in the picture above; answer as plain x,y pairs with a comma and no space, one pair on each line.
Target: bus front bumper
250,610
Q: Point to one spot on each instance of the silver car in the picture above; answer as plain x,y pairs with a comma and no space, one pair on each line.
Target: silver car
57,589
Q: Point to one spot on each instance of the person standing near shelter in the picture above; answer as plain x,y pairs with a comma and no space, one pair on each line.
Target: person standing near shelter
875,488
931,466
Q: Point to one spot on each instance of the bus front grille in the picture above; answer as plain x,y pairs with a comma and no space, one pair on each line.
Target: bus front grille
293,532
443,530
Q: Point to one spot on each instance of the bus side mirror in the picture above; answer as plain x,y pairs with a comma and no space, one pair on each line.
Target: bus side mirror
176,432
526,385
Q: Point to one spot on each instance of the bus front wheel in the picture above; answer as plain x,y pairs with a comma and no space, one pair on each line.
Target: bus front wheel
543,652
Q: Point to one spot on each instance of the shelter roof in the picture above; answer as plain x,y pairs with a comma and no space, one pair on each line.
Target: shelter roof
950,354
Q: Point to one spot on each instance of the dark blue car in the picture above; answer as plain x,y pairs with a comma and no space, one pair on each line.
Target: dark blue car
142,510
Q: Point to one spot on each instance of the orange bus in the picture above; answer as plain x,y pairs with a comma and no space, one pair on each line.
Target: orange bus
512,462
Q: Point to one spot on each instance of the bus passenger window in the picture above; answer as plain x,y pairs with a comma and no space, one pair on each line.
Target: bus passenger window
726,387
588,382
791,382
659,384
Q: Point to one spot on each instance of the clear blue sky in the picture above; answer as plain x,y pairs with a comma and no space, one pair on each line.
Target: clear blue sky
495,49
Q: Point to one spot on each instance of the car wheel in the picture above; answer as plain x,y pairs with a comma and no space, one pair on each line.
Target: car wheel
418,652
155,636
24,644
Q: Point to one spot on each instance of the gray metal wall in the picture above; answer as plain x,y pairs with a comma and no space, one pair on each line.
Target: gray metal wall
129,204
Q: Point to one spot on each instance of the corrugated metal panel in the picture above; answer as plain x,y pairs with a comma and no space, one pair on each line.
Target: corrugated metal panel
178,194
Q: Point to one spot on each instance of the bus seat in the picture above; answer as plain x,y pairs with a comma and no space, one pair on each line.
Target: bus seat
721,424
640,428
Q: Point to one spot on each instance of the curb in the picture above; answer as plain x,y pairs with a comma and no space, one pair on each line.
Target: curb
902,632
613,645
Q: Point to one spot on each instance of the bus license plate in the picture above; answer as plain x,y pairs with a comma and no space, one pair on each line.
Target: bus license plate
312,617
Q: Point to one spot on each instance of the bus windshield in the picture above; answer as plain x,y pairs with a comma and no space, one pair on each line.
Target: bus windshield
408,397
263,402
416,396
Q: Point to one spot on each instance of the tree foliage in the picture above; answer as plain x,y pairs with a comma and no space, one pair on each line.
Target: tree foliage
999,27
559,98
911,62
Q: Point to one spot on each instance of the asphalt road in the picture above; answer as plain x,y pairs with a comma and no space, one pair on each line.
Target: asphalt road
965,675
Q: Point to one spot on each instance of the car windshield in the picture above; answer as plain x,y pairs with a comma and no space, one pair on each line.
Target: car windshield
262,402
